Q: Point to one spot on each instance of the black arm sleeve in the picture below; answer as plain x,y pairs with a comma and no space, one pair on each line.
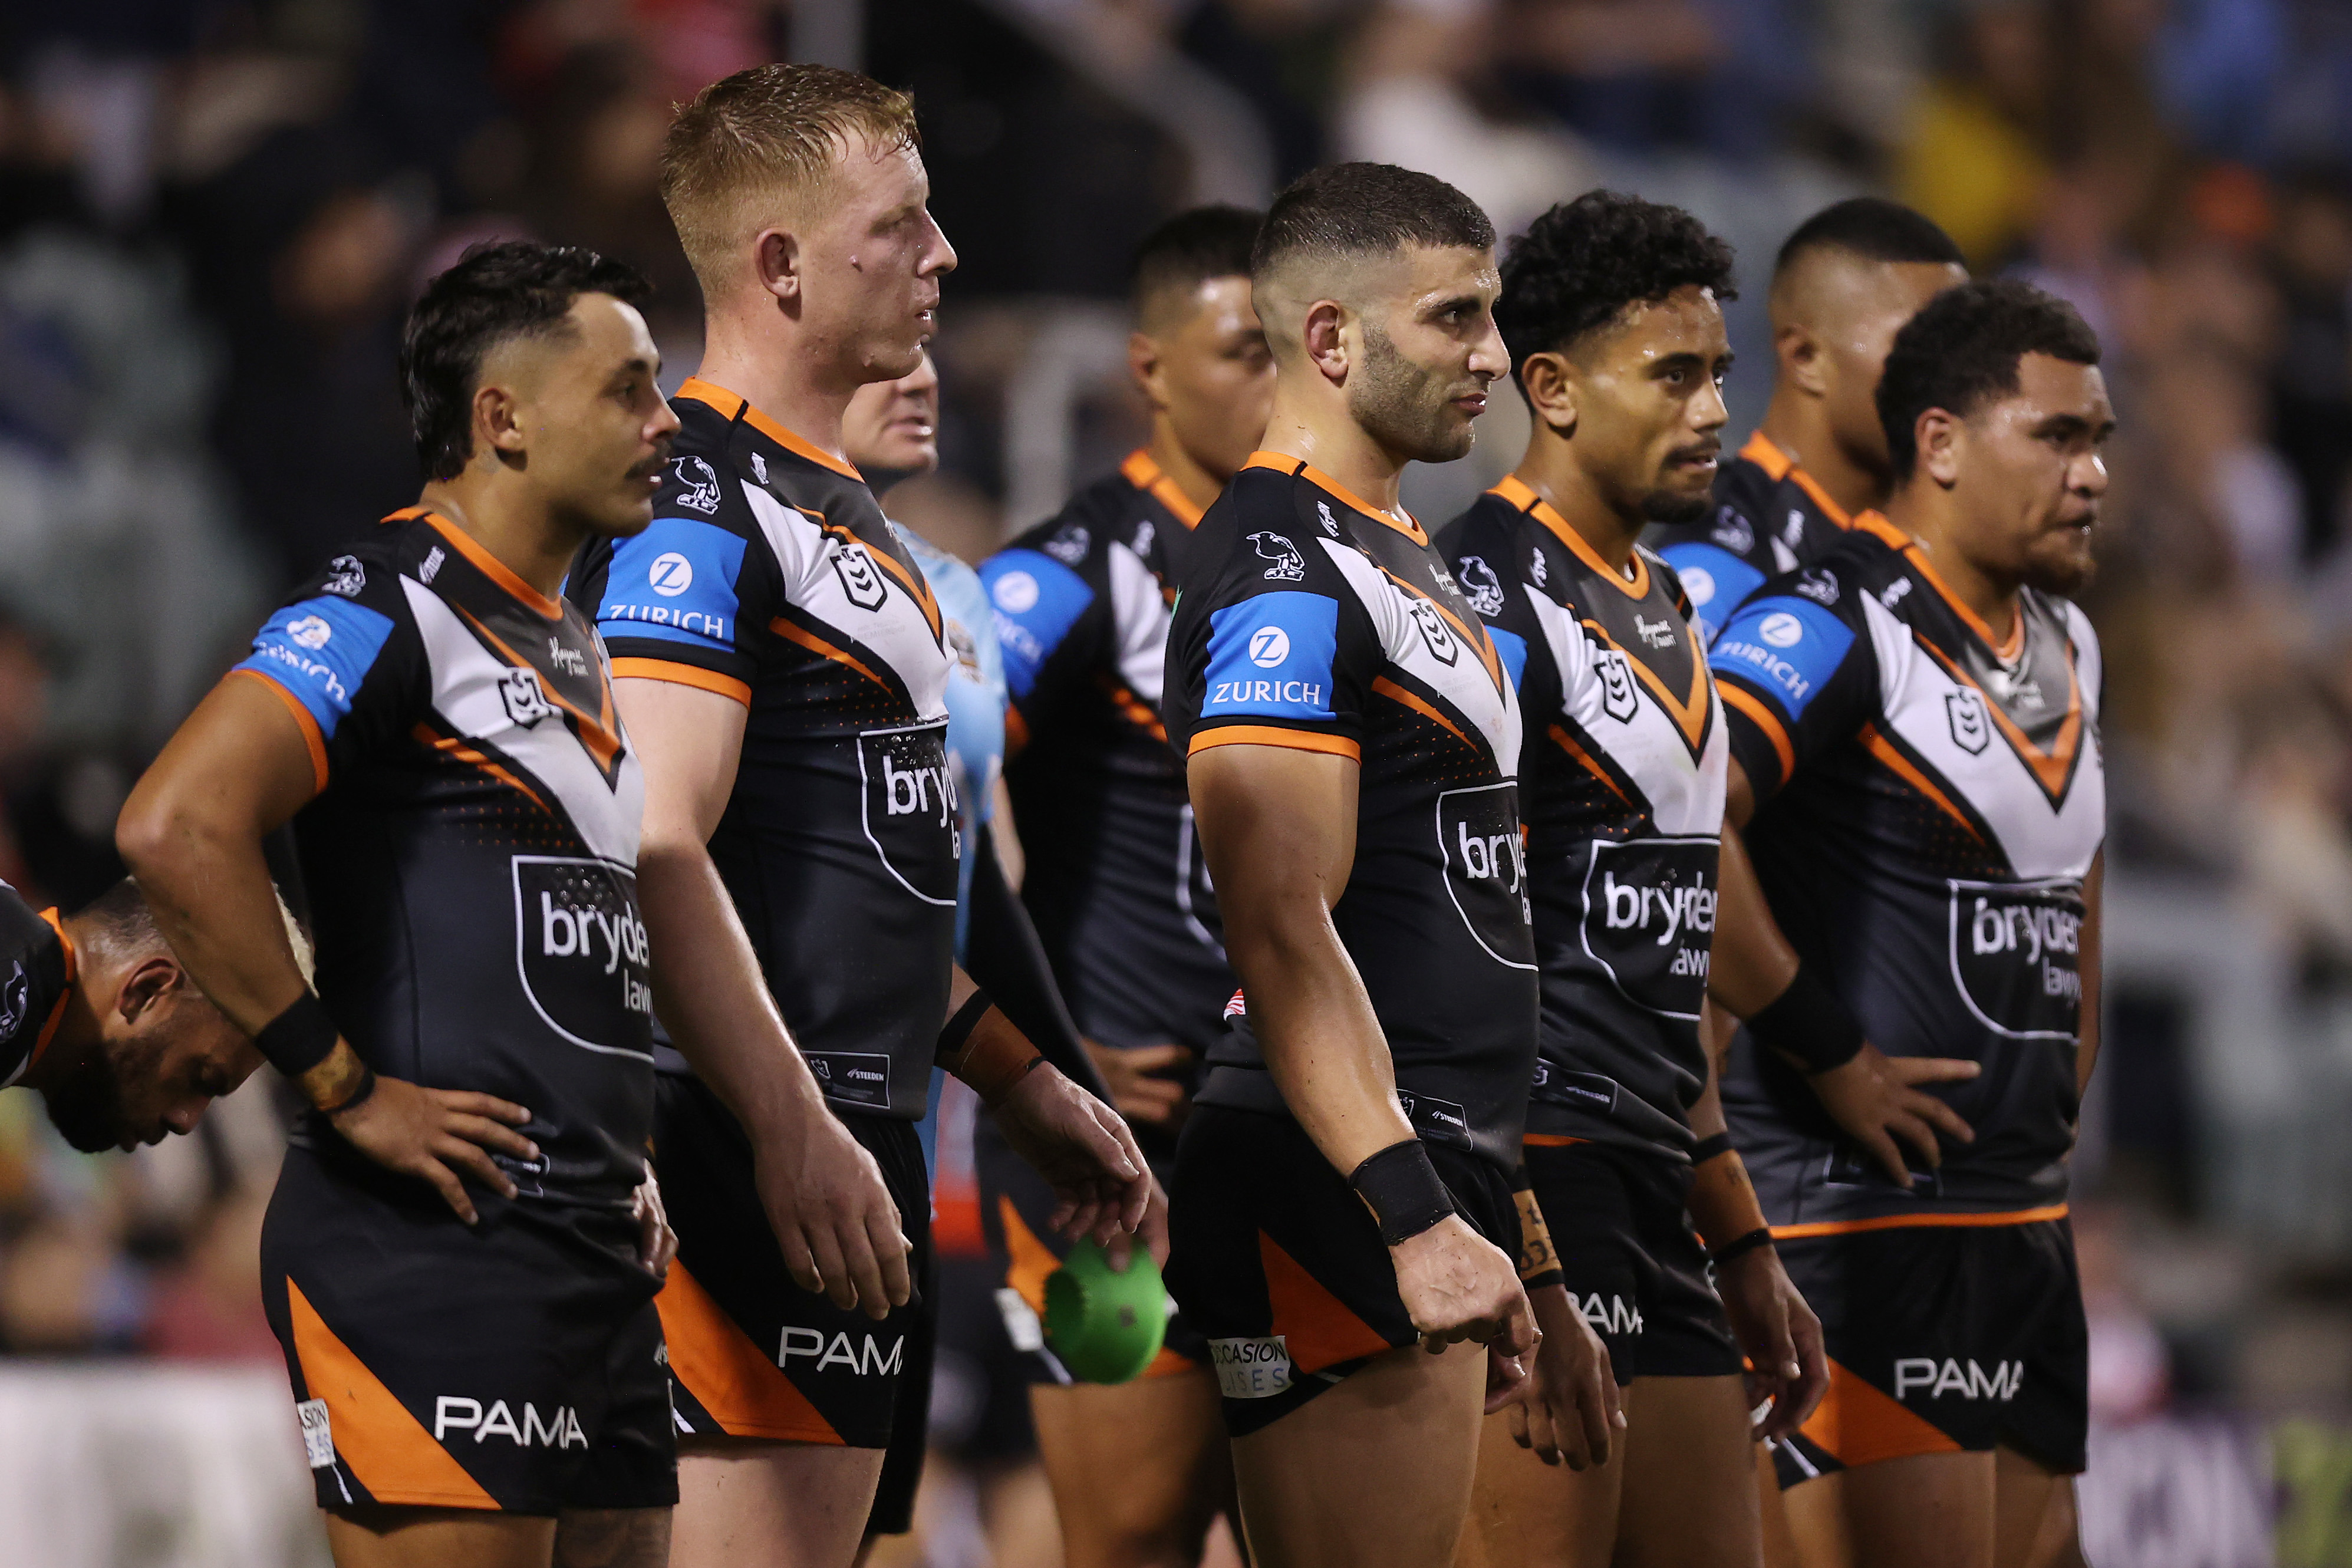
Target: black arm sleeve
1004,958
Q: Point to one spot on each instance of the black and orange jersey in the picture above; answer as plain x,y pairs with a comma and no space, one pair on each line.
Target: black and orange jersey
36,974
471,854
1312,619
1113,880
1621,783
770,575
1769,517
1931,799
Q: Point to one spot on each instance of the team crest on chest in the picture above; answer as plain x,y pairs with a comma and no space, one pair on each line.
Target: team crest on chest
1971,730
1434,633
859,580
1618,699
526,700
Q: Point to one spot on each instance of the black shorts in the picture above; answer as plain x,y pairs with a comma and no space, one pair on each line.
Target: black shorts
1944,1338
1017,1213
1279,1266
1636,1268
754,1355
514,1365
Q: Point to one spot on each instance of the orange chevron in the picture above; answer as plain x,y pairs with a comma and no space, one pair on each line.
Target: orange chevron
1880,747
793,632
1383,687
2052,767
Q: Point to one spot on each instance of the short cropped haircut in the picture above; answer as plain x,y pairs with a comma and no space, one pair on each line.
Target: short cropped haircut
119,926
498,291
1580,265
1190,249
767,135
1348,210
1874,229
1962,352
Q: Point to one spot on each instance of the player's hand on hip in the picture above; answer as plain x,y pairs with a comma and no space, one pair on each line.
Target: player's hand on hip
1570,1410
1085,1150
657,1243
833,1215
1456,1285
1779,1334
1137,1092
435,1134
1875,1099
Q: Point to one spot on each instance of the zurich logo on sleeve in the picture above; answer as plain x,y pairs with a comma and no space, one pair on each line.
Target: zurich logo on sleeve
1035,601
1271,657
1787,646
1714,579
674,582
320,650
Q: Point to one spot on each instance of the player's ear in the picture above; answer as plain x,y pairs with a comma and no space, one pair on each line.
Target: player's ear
1324,339
1144,364
149,980
1802,362
776,256
1551,390
1940,437
497,425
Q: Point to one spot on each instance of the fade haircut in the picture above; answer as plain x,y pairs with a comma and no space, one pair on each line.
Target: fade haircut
765,140
1348,211
118,926
1962,352
1580,265
1874,229
497,291
1188,250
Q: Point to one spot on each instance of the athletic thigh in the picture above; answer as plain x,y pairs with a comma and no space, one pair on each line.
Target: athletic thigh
2035,1522
1138,1471
744,1504
1689,1492
1524,1513
374,1537
1923,1511
613,1538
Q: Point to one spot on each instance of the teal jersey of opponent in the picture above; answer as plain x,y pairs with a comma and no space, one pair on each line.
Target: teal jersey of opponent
976,697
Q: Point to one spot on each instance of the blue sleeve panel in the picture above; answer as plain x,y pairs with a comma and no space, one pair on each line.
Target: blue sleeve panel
676,583
1714,578
1272,656
1036,600
320,650
1784,648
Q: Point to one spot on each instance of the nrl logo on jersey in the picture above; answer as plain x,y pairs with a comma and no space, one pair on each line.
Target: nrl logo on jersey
1434,633
345,576
526,700
859,580
1483,586
1618,699
1289,566
700,481
1971,730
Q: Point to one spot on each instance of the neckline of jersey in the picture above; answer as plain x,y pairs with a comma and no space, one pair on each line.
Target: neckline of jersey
2005,650
58,1008
1521,496
488,564
734,405
1778,465
1153,479
1300,469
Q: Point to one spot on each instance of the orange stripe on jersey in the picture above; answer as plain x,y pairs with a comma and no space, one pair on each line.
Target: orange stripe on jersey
450,745
1689,713
1566,742
1300,468
2051,767
919,587
1318,1327
603,741
1768,722
742,1386
682,674
1137,712
1879,746
2003,648
312,736
1477,639
1523,496
1383,687
490,566
1860,1424
1550,1141
1779,466
387,1450
58,1008
1269,735
1149,477
1029,1262
1916,1222
792,632
729,405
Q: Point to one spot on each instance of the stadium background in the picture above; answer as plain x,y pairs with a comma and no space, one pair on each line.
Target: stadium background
212,215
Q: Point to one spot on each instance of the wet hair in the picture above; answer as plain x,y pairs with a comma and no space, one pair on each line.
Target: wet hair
1190,249
767,134
1874,229
497,291
1580,265
1349,210
1962,352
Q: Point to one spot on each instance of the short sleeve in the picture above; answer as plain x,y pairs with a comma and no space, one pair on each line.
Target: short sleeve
1046,616
682,602
327,657
1270,673
1713,579
1796,678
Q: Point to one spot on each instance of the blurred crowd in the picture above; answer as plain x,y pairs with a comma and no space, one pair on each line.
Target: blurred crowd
213,214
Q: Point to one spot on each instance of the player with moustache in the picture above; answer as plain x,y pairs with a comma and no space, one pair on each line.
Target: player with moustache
461,1254
1842,284
782,661
1916,769
1343,1203
1113,870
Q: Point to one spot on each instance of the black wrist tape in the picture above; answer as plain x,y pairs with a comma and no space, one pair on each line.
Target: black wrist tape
1403,1189
365,1087
1741,1247
1809,1022
1706,1149
300,1038
958,1032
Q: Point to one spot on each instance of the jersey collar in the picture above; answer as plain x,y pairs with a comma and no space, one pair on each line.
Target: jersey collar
1300,469
2002,649
1149,477
1778,465
482,561
729,405
1521,496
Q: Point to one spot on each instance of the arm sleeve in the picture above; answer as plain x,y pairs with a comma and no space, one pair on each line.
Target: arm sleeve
688,599
339,659
1269,657
1796,678
1048,622
1004,958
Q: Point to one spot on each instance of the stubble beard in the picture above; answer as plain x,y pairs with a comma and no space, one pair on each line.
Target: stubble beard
1397,403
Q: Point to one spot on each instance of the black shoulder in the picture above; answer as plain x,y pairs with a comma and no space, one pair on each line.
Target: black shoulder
1669,581
1090,520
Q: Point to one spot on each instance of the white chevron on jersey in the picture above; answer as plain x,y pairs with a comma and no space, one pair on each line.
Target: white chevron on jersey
1419,639
1140,614
1684,785
836,580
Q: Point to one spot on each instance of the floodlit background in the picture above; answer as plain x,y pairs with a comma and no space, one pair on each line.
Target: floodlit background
212,215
